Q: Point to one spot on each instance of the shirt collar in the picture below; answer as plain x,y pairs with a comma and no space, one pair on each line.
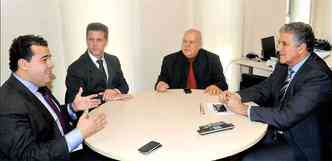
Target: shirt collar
93,58
194,60
297,66
31,86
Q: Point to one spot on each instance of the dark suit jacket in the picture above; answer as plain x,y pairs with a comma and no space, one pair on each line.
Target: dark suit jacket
84,73
302,114
27,131
207,70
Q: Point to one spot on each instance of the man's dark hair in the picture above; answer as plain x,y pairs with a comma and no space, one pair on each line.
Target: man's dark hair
302,33
21,49
96,26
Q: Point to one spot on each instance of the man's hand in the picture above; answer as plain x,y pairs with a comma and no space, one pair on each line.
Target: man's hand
213,90
110,93
224,96
162,86
83,103
89,125
234,103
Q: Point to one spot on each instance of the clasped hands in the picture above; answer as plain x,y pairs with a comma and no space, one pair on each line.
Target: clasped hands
233,102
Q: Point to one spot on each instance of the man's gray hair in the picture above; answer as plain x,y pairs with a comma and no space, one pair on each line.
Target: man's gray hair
302,33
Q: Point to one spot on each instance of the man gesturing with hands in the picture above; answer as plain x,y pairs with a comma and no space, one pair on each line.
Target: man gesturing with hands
293,100
34,126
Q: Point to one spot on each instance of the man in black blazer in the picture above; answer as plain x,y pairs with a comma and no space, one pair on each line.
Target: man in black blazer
301,90
192,67
96,71
34,126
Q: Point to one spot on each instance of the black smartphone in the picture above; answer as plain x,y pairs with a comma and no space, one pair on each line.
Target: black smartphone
149,147
219,107
187,90
214,127
100,97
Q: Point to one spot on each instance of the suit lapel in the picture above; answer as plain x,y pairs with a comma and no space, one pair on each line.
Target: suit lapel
94,72
111,73
298,76
33,99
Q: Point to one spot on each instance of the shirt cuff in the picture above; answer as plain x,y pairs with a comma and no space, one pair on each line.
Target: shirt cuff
71,112
74,139
117,90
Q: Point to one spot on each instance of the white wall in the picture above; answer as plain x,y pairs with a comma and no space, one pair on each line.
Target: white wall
221,23
162,24
261,19
322,19
40,17
300,11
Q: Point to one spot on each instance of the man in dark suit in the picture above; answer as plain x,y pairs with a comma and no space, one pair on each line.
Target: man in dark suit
96,71
34,126
192,67
301,90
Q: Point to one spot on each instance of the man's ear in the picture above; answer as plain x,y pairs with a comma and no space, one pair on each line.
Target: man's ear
22,64
302,48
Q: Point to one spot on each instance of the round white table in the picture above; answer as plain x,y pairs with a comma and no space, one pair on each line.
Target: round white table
171,118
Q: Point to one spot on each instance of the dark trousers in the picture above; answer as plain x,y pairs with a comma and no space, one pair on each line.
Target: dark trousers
271,148
88,154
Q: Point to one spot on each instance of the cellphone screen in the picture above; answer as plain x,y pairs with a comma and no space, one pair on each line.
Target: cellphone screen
149,147
219,107
187,90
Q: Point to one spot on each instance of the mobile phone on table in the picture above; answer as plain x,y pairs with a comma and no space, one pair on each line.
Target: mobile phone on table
100,97
149,147
219,107
214,127
187,90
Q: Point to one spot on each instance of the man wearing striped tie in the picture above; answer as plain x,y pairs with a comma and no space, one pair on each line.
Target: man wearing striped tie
300,89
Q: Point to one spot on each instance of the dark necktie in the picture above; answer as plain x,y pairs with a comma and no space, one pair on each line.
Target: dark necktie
101,67
191,80
285,85
46,93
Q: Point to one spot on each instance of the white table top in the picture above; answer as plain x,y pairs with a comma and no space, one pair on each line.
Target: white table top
259,64
171,118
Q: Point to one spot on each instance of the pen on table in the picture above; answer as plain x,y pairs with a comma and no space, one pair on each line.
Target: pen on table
201,109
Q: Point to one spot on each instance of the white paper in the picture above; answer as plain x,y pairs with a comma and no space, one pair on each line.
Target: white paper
211,109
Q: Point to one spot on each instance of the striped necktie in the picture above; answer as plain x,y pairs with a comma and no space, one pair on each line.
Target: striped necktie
46,93
286,83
